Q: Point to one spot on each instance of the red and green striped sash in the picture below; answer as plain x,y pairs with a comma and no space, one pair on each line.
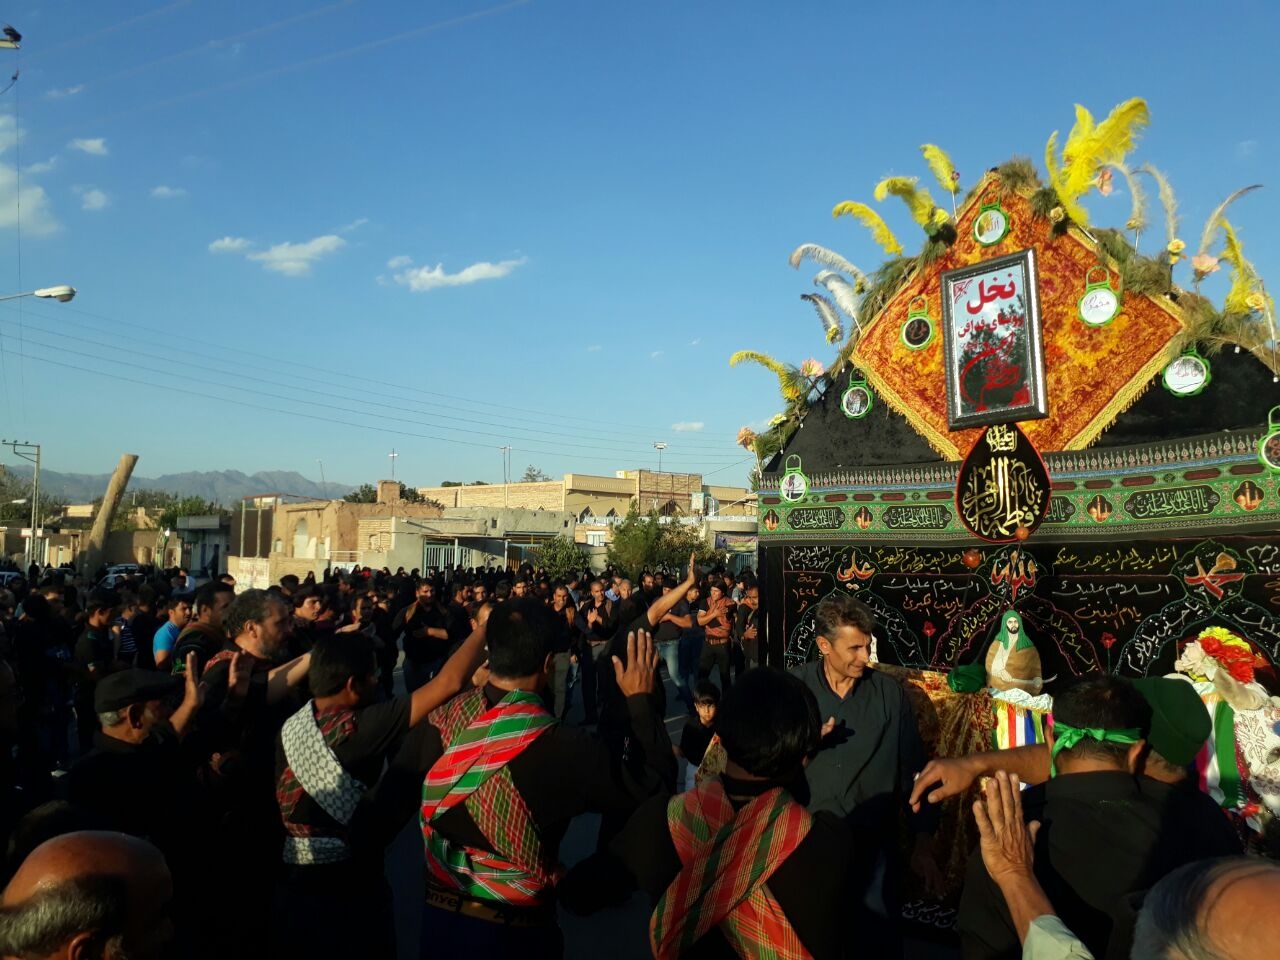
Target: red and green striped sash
728,857
473,771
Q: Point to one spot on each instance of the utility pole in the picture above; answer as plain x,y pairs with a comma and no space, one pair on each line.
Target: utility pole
30,451
659,445
506,473
392,456
321,462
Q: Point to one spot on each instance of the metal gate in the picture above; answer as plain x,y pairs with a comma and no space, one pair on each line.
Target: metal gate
441,555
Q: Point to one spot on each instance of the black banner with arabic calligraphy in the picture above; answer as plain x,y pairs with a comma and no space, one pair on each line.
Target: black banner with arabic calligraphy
1126,607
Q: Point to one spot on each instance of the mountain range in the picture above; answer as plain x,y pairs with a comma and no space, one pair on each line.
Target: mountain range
220,486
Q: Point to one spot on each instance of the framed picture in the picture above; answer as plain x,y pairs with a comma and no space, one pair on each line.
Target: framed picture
856,401
991,342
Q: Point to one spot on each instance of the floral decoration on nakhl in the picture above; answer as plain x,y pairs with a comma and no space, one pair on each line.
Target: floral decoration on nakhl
1217,648
1112,313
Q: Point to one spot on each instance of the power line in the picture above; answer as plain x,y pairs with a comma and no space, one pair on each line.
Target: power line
301,414
644,432
240,375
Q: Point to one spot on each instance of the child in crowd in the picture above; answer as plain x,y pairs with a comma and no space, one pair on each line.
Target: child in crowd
700,728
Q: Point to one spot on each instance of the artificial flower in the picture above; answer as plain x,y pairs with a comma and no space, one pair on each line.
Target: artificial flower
1231,652
860,286
746,437
1105,186
778,419
1057,215
1133,224
812,368
1176,246
1256,302
1204,264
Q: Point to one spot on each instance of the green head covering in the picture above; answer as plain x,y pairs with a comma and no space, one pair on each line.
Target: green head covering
1180,722
1023,640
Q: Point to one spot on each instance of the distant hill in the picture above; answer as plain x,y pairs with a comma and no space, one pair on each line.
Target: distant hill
221,486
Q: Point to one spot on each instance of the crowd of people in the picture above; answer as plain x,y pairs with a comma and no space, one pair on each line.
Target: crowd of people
213,772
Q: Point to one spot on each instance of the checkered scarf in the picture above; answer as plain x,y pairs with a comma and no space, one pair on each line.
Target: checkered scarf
473,771
728,857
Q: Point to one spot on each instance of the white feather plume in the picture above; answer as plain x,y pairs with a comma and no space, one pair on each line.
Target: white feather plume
842,292
828,258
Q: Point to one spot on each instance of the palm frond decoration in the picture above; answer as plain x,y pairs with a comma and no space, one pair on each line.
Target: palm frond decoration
1215,218
1088,146
941,167
917,198
828,258
880,231
826,311
1138,208
1168,202
790,381
842,292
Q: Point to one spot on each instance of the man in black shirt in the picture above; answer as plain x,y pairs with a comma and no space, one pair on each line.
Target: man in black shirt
680,849
1103,835
423,631
564,649
335,898
601,624
667,640
746,626
550,774
95,657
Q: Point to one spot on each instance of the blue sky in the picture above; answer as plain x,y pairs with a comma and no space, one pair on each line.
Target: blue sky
309,231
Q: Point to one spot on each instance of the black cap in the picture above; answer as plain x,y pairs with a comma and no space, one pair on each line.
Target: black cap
127,687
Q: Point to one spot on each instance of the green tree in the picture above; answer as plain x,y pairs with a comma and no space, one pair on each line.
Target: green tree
635,542
533,475
451,483
560,557
411,495
367,493
185,507
676,541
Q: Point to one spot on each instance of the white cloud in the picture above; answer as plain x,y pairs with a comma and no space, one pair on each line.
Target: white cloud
57,94
395,263
594,348
96,146
93,199
1246,149
230,245
688,426
694,343
37,217
9,132
163,192
42,166
295,259
421,279
291,259
353,225
655,355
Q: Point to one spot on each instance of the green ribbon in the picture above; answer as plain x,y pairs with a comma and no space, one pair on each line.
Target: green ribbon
1066,736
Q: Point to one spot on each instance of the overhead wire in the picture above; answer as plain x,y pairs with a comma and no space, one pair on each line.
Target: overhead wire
94,371
253,360
505,435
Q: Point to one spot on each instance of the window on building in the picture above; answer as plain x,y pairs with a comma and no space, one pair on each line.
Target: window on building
595,539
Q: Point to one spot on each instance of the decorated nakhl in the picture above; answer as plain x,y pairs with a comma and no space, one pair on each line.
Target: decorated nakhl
1023,306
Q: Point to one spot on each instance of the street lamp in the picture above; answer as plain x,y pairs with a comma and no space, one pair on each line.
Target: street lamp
30,451
62,293
659,445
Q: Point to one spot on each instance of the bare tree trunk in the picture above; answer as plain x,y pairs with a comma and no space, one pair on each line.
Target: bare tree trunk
96,546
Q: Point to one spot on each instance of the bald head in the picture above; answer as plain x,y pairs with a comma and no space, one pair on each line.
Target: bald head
1210,910
88,894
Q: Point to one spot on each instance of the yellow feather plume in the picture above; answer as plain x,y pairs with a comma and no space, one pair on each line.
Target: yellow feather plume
1244,278
786,375
1168,201
880,231
918,199
1091,145
940,165
1051,160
